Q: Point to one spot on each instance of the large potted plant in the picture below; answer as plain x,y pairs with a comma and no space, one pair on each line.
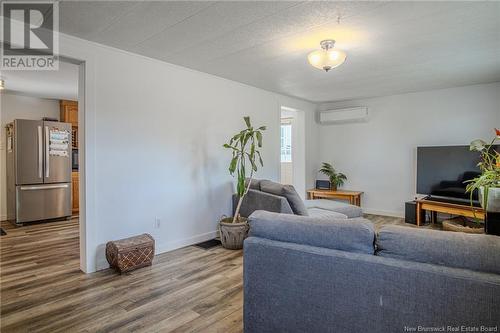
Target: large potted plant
244,147
488,183
337,179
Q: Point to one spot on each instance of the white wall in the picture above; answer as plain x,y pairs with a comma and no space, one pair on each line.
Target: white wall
153,140
19,107
379,156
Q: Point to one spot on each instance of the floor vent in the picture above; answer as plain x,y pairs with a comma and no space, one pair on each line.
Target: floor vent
208,244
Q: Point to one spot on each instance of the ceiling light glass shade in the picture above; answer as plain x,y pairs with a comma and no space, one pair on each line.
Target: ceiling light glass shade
328,57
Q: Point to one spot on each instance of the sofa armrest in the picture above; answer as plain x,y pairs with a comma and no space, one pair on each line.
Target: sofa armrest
257,200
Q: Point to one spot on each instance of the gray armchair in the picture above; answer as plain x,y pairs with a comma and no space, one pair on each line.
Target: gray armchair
257,200
277,198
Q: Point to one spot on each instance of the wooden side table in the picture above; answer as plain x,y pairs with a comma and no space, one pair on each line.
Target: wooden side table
354,197
449,208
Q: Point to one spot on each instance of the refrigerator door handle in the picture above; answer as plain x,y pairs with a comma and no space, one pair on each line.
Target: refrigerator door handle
46,187
40,152
47,156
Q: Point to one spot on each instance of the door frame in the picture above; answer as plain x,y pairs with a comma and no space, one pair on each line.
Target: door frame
86,265
72,51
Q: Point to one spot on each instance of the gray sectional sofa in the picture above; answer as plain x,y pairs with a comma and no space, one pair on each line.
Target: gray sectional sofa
304,274
274,197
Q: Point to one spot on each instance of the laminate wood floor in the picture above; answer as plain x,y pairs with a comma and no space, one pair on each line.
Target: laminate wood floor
43,290
186,290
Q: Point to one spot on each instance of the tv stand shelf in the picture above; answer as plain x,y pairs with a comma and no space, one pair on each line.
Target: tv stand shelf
448,208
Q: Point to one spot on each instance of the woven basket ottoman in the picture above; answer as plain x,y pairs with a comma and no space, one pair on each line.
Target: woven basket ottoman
131,253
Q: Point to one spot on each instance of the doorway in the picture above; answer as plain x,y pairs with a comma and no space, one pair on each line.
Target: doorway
286,151
53,98
292,148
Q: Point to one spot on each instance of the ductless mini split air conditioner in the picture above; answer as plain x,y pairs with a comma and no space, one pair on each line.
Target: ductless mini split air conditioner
341,116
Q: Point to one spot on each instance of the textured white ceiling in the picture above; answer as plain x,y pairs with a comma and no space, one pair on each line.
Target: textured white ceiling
392,47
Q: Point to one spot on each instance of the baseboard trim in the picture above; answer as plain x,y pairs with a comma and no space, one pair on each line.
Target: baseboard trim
383,212
166,247
174,245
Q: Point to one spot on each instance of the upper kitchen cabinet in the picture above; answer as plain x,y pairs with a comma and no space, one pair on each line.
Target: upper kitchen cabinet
69,112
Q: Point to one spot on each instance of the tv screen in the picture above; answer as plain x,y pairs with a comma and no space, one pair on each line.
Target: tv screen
441,171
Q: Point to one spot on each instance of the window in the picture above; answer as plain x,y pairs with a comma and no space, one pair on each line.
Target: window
286,143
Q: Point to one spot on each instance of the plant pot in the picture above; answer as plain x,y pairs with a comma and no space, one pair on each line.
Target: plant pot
333,187
492,223
492,219
232,235
493,199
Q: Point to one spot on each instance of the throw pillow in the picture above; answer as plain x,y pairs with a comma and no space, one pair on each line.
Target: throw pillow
254,185
287,191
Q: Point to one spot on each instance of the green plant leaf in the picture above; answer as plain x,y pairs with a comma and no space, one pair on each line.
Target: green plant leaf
260,158
327,169
335,178
246,138
243,146
232,165
230,147
241,181
259,138
477,145
234,138
254,166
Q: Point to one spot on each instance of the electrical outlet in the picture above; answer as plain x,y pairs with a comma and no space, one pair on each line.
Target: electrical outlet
157,223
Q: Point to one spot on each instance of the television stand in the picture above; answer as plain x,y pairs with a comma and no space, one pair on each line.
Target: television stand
448,208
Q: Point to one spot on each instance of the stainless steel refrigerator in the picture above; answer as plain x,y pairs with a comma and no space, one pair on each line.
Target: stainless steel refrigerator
38,170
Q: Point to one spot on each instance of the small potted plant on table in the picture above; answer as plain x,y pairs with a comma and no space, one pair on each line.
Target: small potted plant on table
245,153
336,178
488,183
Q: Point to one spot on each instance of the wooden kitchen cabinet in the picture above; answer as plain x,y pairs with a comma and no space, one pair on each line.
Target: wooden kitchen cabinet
75,182
69,112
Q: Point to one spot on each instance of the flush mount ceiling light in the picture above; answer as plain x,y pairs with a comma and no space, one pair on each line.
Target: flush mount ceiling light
327,58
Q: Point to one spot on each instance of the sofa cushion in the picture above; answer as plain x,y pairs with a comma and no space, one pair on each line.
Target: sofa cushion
287,191
271,187
353,235
452,249
254,185
326,214
336,206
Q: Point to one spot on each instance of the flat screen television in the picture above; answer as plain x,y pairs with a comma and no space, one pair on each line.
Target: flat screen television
442,170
